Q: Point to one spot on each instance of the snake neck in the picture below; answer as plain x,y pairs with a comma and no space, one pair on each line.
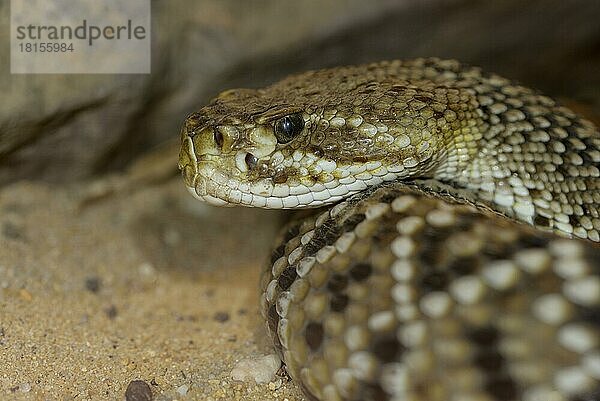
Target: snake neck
527,158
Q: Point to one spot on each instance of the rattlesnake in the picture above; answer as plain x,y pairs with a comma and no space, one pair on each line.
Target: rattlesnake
453,254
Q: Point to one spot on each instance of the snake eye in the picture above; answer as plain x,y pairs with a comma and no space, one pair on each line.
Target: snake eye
288,127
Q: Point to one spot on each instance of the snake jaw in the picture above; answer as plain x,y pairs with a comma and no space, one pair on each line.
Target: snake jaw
209,198
208,182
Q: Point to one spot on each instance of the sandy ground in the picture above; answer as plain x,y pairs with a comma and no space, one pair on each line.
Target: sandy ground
146,284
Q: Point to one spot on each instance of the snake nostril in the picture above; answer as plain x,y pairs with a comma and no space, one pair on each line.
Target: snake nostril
218,137
250,160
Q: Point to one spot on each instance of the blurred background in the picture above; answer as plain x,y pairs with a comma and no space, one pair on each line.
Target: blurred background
110,272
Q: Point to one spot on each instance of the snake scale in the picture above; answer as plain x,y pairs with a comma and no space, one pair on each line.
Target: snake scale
452,250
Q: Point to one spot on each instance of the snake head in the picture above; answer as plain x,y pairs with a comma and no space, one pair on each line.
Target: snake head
236,151
308,140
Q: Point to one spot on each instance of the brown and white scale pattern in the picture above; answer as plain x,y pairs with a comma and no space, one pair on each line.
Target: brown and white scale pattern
393,295
417,280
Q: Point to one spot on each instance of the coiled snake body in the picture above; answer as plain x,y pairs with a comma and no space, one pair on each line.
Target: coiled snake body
454,255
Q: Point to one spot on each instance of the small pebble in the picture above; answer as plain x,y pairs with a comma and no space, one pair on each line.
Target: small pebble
183,389
138,390
260,369
111,312
92,284
221,317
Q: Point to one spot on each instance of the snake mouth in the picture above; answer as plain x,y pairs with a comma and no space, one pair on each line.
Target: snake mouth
211,185
220,190
207,179
209,198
